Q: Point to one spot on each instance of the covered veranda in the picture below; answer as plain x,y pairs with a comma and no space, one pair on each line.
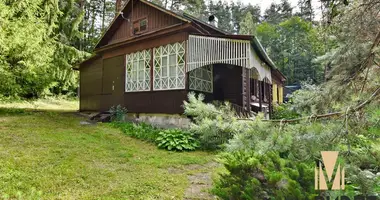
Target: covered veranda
229,69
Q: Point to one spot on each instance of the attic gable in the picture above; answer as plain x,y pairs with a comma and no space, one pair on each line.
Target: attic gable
156,18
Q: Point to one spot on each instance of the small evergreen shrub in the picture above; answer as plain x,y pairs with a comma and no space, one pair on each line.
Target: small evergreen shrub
176,140
263,176
117,113
214,125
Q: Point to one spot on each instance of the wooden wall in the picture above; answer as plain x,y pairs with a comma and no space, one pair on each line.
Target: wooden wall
90,85
156,20
168,101
113,82
146,44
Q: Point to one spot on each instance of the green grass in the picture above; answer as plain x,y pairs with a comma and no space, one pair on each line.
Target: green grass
49,155
52,103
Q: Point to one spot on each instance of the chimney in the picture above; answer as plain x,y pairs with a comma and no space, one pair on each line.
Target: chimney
118,6
213,20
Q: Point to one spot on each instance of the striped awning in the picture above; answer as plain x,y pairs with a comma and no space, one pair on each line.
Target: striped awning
204,50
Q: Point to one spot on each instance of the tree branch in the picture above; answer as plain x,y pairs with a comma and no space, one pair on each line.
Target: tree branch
315,117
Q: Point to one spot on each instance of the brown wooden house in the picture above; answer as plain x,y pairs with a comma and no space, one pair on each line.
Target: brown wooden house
150,58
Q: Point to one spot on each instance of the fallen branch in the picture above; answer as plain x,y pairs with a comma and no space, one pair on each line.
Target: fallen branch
337,114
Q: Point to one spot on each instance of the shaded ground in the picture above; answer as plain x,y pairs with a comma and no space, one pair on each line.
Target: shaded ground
50,155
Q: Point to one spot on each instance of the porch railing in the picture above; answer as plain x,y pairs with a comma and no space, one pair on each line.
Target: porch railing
240,112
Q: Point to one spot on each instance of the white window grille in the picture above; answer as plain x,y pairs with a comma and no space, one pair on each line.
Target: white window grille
201,79
138,71
169,67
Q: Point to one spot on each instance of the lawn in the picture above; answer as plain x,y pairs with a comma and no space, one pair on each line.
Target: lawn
50,155
52,103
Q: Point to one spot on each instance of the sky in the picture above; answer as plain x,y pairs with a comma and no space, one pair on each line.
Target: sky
264,4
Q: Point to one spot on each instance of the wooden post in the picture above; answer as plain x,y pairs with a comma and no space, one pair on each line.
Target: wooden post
151,68
270,100
260,96
249,90
244,87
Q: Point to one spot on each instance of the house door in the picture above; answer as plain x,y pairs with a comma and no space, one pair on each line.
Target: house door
113,83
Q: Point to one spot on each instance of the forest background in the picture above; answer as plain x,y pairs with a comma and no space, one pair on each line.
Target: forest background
42,40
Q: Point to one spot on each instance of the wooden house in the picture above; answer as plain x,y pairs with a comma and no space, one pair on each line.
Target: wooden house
150,58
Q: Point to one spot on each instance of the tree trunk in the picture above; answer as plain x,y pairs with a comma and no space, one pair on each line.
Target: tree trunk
104,14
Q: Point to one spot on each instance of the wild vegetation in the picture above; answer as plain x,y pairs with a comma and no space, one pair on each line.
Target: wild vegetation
275,159
271,160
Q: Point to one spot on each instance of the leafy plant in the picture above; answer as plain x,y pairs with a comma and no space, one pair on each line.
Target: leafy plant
140,131
117,113
284,111
176,140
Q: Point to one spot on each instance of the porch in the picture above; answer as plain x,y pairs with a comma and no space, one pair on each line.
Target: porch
228,69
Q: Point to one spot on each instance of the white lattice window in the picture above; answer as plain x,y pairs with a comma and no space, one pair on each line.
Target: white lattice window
138,71
201,79
169,67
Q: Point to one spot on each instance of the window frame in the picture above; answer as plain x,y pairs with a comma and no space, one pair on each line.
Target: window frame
164,81
133,81
138,23
197,80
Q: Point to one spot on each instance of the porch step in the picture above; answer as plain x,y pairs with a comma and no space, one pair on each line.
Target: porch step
101,117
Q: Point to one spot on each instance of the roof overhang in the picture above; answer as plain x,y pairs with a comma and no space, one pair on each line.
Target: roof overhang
88,60
151,35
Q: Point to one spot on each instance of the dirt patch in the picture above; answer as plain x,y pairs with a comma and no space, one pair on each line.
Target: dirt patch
200,184
200,180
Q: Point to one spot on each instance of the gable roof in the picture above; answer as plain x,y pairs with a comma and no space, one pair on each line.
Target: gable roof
184,17
187,18
119,17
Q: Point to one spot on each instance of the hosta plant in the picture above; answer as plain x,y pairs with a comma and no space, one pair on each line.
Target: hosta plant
177,140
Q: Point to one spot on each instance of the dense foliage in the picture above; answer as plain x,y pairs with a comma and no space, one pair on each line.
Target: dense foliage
176,140
211,126
36,55
276,161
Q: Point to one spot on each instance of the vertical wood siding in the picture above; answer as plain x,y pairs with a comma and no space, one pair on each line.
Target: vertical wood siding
113,82
156,20
90,85
146,44
168,101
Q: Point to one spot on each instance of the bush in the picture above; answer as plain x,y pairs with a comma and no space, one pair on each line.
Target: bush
214,125
117,113
263,176
284,111
176,140
140,131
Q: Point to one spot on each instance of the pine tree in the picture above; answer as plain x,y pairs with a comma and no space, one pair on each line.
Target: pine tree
247,26
306,10
196,8
277,13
